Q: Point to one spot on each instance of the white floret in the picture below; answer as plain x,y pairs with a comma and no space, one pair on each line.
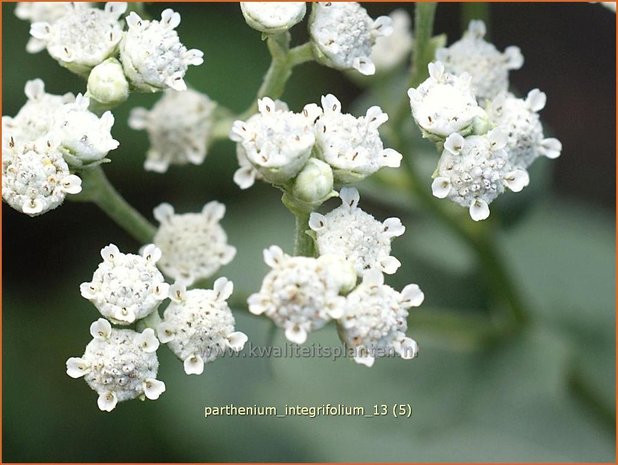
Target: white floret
193,245
152,55
273,17
178,127
126,287
474,171
444,103
301,294
119,365
343,35
488,68
392,50
198,326
352,146
83,37
355,235
375,320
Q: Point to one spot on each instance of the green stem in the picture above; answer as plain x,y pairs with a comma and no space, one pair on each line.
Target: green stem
303,243
96,188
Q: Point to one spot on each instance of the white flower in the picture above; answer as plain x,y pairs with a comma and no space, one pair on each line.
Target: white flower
444,103
273,17
126,287
488,68
389,51
83,37
519,119
84,136
119,364
375,320
198,325
357,236
193,245
107,83
178,127
352,146
474,171
35,119
35,12
152,55
35,177
301,294
277,142
343,35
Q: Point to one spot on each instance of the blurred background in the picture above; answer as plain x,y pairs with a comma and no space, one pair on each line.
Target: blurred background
545,394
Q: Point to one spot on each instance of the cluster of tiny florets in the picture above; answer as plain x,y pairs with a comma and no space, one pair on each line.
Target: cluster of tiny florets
178,127
198,325
343,35
193,245
488,136
273,17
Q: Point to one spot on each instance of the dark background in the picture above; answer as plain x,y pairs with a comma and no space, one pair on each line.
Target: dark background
517,401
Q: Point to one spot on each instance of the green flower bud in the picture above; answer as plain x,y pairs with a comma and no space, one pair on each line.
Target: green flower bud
107,83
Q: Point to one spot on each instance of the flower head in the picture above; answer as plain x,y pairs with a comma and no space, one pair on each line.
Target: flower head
343,35
126,287
444,103
198,326
83,37
357,236
352,146
85,138
35,177
152,55
273,17
119,364
301,294
488,68
277,142
519,119
193,245
392,50
474,171
178,127
375,320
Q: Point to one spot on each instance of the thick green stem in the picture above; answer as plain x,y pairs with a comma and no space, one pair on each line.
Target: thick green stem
96,188
303,243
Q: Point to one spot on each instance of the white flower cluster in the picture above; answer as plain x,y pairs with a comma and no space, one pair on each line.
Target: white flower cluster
355,235
343,35
49,134
488,137
487,67
391,50
119,365
193,245
178,126
198,325
324,145
273,17
122,364
82,37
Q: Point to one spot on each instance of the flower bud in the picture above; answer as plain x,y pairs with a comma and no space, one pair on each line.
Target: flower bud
314,184
273,17
107,83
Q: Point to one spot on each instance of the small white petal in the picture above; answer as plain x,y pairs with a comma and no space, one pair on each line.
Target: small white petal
266,106
256,305
391,158
296,334
317,221
236,340
479,210
194,365
517,180
536,100
383,26
224,288
214,211
412,296
497,138
34,89
147,341
72,184
163,212
436,70
373,278
177,292
40,30
393,227
440,187
170,18
116,9
364,359
408,349
273,256
109,253
124,314
389,265
87,291
151,253
364,66
331,104
77,367
107,401
454,143
376,117
514,58
349,197
165,332
101,329
244,177
153,388
551,148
